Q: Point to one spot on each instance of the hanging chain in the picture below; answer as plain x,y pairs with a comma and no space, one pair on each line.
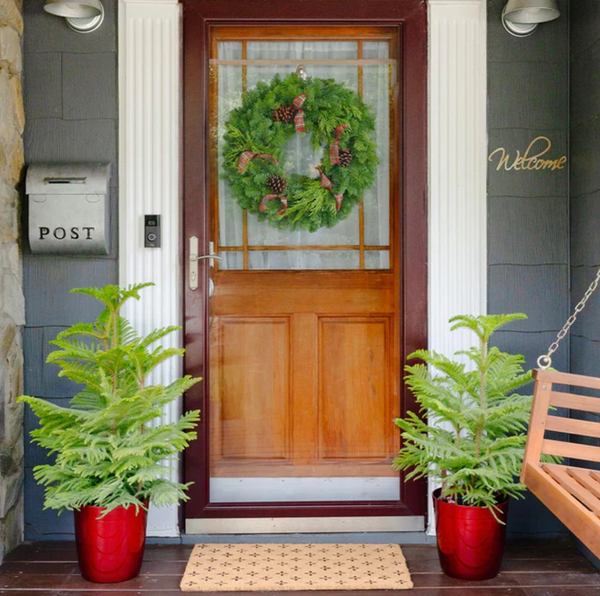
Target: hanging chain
545,361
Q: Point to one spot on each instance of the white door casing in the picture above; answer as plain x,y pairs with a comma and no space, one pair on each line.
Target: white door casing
149,141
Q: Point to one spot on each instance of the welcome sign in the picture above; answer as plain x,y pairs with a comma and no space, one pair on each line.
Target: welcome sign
535,157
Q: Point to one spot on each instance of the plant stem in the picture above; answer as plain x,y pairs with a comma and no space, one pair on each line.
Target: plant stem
482,394
115,318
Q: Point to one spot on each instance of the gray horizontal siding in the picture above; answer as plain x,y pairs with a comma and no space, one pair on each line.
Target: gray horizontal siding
585,157
51,279
584,17
72,140
538,291
585,193
528,212
588,321
531,346
528,231
41,378
585,74
527,96
44,71
34,454
585,230
70,88
42,523
81,100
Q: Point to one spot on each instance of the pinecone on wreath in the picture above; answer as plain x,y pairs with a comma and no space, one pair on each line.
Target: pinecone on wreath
284,114
345,157
277,184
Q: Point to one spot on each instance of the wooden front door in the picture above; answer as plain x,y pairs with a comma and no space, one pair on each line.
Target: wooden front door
303,333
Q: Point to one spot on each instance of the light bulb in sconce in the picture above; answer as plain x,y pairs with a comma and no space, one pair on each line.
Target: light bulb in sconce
521,17
83,16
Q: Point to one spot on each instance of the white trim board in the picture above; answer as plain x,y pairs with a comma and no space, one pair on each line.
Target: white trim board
149,102
457,282
149,106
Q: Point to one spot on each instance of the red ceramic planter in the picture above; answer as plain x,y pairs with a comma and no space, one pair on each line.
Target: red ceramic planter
110,549
470,540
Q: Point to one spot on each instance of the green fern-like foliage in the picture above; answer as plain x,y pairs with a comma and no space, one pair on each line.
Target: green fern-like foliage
475,439
109,447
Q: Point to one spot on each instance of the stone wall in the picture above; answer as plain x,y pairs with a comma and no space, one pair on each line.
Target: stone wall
12,308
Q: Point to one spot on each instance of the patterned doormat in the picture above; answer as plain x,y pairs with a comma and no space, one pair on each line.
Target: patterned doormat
291,567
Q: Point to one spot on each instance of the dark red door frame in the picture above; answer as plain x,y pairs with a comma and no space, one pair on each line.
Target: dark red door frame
410,17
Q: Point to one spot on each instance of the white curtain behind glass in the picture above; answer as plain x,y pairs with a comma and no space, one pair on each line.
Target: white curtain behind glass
300,158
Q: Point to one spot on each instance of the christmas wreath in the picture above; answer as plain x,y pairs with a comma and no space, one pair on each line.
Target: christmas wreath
256,133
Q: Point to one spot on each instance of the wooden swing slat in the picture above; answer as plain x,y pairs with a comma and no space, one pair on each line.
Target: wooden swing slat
562,476
587,479
571,493
572,426
574,450
572,401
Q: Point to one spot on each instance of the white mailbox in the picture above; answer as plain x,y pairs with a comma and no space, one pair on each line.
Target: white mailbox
68,208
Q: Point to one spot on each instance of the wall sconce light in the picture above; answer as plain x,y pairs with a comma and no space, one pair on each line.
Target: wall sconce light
521,17
83,16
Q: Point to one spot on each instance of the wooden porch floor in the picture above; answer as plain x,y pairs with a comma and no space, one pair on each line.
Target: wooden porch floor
531,568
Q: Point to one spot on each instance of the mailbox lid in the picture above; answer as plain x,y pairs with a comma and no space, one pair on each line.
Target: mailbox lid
68,179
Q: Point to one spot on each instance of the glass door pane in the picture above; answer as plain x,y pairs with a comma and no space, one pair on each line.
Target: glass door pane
363,66
304,338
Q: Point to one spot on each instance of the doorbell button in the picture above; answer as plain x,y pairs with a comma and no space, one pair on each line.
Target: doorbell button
152,231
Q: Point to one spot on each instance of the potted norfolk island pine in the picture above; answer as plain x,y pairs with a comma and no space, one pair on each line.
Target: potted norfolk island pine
110,447
472,443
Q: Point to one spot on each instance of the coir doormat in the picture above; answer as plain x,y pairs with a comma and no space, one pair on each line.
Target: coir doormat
292,567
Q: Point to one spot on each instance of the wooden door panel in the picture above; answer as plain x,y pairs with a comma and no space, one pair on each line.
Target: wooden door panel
319,292
355,402
303,395
252,405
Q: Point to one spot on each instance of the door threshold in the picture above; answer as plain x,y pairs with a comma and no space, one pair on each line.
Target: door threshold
305,525
402,538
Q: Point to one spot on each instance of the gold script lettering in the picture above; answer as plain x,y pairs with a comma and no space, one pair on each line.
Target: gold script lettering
531,160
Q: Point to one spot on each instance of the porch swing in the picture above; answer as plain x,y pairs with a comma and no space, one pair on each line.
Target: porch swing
571,492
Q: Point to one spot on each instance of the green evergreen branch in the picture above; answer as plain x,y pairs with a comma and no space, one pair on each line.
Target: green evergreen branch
328,105
105,451
477,452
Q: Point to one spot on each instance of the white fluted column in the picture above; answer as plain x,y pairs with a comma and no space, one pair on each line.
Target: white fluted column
149,113
457,170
